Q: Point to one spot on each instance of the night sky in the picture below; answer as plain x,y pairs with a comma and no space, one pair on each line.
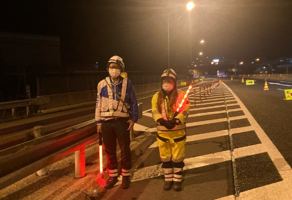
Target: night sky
92,30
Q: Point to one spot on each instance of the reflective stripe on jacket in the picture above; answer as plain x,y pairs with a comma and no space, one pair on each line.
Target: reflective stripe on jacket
108,105
168,113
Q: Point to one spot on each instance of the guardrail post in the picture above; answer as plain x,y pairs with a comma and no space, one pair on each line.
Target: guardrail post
38,131
80,163
13,112
27,110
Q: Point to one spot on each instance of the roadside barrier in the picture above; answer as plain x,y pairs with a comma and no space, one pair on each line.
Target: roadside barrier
24,159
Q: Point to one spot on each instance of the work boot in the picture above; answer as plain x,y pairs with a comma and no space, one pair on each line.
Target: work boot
167,185
177,186
126,182
111,182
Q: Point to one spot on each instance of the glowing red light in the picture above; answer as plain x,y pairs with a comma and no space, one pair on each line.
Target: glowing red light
101,181
100,159
185,96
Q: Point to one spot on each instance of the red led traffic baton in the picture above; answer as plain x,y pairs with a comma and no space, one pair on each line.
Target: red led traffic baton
100,154
183,100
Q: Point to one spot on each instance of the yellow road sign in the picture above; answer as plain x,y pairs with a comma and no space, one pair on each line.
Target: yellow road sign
249,82
288,94
183,83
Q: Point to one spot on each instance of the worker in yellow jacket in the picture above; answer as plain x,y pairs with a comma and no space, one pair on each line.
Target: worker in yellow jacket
171,128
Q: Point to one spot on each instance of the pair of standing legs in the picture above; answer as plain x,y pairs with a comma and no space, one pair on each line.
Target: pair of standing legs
172,154
112,131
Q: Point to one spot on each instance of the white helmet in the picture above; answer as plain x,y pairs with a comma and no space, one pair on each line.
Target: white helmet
118,60
169,73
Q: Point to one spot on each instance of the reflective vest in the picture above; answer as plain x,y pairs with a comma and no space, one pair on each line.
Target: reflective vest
118,112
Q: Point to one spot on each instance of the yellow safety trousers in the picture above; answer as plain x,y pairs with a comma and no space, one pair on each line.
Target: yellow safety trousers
171,150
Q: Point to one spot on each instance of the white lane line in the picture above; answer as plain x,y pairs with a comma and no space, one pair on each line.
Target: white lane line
211,96
147,114
139,127
241,129
212,100
191,124
249,150
220,106
190,163
281,89
206,113
200,104
278,160
273,83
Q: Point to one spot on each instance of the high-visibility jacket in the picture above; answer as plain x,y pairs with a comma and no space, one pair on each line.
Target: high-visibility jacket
167,112
165,137
109,106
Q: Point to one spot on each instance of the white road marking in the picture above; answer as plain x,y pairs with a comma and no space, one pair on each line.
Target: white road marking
273,152
190,163
220,106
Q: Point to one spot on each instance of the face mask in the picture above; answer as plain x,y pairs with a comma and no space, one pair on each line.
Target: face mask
114,73
167,87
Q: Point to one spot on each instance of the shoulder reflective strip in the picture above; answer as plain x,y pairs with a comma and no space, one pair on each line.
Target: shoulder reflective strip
110,96
123,94
178,127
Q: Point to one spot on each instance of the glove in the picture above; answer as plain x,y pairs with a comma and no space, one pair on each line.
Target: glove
175,121
166,124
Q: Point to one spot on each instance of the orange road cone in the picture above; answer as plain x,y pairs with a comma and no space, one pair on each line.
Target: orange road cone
266,86
219,81
231,78
242,80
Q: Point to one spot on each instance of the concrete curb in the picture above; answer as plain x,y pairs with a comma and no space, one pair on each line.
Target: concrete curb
141,143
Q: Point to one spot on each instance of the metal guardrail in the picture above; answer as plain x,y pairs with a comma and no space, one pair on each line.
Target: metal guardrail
35,155
24,159
23,103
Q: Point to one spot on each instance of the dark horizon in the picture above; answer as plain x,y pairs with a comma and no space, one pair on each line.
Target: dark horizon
137,31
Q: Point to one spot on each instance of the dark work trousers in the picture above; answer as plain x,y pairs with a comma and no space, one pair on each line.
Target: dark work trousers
113,130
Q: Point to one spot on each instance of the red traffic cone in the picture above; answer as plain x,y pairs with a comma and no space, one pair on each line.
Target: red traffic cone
266,86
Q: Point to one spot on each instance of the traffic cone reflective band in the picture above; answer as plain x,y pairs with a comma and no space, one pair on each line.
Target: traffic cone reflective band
242,80
266,86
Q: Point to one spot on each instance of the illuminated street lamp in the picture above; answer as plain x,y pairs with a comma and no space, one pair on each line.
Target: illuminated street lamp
189,6
241,63
257,59
202,41
201,53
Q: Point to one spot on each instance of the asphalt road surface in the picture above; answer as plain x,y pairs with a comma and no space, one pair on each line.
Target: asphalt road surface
237,148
